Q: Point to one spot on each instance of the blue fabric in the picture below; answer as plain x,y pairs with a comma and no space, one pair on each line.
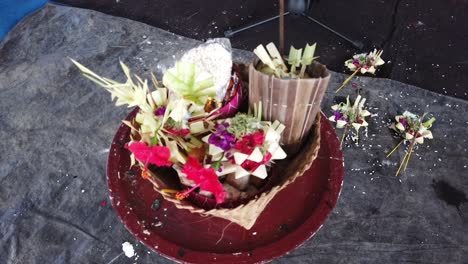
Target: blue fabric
12,11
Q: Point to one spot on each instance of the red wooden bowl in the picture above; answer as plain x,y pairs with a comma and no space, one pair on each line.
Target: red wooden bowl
292,217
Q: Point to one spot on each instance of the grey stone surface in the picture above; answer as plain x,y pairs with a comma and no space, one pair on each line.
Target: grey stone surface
56,127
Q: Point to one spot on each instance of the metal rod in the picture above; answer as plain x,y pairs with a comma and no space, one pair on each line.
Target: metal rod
281,26
356,44
230,33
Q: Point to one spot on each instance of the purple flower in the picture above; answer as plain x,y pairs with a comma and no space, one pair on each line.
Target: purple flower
222,126
222,138
160,111
403,122
356,62
338,115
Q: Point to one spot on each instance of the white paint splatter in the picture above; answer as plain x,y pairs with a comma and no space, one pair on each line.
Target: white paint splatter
128,249
104,151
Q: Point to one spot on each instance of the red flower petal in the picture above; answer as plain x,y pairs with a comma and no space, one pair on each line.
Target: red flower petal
248,142
206,178
243,146
178,132
156,155
258,138
183,132
267,158
251,166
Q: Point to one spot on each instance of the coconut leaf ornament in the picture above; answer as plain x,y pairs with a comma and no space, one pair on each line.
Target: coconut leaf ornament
187,82
272,62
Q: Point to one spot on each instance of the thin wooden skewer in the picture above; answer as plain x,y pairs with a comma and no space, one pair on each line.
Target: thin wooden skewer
401,164
395,148
413,142
344,135
348,79
281,26
410,151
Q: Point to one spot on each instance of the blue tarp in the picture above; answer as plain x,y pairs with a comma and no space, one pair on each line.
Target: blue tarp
12,11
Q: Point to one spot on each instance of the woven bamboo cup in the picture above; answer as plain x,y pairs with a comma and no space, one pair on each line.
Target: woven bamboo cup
293,102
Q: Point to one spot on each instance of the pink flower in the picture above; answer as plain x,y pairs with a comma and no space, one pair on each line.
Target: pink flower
205,178
157,155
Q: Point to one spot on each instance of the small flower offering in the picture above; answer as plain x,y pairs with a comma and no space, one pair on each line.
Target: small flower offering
182,124
364,63
411,128
350,115
245,145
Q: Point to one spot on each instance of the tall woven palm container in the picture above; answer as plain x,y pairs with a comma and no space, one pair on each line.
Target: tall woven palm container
293,102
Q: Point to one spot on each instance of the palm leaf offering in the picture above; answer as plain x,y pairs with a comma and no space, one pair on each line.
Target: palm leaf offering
363,63
173,126
348,115
272,61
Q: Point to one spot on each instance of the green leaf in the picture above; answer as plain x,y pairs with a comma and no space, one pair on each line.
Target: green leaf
307,58
308,55
294,58
154,140
186,82
267,70
215,165
428,123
